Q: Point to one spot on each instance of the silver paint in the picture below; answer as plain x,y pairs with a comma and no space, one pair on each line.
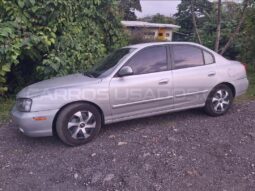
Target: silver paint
130,97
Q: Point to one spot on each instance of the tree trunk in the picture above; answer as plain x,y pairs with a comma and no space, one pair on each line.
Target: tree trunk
237,30
218,32
194,21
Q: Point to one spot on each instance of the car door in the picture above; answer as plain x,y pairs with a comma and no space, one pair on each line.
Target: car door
148,90
194,75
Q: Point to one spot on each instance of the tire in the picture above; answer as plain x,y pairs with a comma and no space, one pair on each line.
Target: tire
78,124
219,101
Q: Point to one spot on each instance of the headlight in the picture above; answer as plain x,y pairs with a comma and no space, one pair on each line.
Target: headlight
23,104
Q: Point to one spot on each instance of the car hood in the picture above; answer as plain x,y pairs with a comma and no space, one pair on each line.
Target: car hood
47,86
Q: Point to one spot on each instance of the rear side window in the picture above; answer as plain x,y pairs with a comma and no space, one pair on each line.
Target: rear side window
209,59
149,60
186,56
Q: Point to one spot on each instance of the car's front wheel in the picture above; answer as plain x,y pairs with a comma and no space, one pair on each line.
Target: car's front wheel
78,123
219,100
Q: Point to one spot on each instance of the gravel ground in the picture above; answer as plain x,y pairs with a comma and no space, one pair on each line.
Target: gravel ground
181,151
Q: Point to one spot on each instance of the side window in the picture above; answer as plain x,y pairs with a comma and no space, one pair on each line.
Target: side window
209,59
149,60
186,56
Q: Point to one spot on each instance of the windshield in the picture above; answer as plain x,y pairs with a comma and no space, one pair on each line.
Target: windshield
108,64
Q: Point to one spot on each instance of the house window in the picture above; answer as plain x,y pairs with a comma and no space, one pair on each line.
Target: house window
150,33
167,35
160,34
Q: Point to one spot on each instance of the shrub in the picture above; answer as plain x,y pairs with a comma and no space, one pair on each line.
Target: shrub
54,37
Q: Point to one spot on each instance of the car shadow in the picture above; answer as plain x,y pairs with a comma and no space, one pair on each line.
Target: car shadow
168,117
116,128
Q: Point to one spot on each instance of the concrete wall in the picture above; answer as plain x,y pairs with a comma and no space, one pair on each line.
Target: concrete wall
151,33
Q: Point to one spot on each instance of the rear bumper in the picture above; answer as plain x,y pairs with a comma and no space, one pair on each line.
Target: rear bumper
30,127
241,86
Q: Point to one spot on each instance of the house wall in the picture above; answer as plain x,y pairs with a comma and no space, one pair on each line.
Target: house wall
151,33
164,34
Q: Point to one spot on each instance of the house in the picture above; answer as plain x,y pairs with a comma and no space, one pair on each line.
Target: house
152,31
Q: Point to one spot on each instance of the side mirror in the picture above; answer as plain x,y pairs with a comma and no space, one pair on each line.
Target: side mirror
125,71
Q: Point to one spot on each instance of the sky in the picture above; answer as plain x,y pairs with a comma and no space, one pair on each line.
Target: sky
152,7
164,7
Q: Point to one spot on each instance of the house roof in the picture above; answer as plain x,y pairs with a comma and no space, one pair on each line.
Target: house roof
148,25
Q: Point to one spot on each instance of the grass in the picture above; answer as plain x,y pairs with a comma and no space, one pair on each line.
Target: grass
250,95
6,104
251,90
5,108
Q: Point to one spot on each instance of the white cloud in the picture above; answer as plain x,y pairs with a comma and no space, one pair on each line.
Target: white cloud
152,7
164,7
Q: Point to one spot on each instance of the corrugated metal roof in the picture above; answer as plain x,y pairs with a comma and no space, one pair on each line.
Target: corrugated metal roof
149,25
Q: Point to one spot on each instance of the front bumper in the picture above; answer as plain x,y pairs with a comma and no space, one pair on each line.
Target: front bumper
34,128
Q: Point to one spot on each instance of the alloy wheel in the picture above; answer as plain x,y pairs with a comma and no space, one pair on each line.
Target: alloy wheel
81,125
221,101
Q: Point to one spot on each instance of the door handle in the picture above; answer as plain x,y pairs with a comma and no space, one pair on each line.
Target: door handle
164,81
211,74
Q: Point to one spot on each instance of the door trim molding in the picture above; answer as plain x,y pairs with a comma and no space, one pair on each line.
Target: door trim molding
141,102
193,93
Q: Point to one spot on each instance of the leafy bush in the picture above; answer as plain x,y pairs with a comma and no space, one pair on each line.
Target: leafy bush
6,105
54,37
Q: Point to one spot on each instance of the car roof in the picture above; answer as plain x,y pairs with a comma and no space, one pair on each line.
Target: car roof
144,45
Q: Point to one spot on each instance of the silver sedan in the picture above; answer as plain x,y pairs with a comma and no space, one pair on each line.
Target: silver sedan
133,82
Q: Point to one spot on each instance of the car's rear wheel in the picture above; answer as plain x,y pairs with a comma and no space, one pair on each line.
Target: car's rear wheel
219,101
78,124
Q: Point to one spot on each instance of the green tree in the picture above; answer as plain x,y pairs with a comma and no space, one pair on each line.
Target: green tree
248,37
54,37
213,24
158,18
128,8
184,17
